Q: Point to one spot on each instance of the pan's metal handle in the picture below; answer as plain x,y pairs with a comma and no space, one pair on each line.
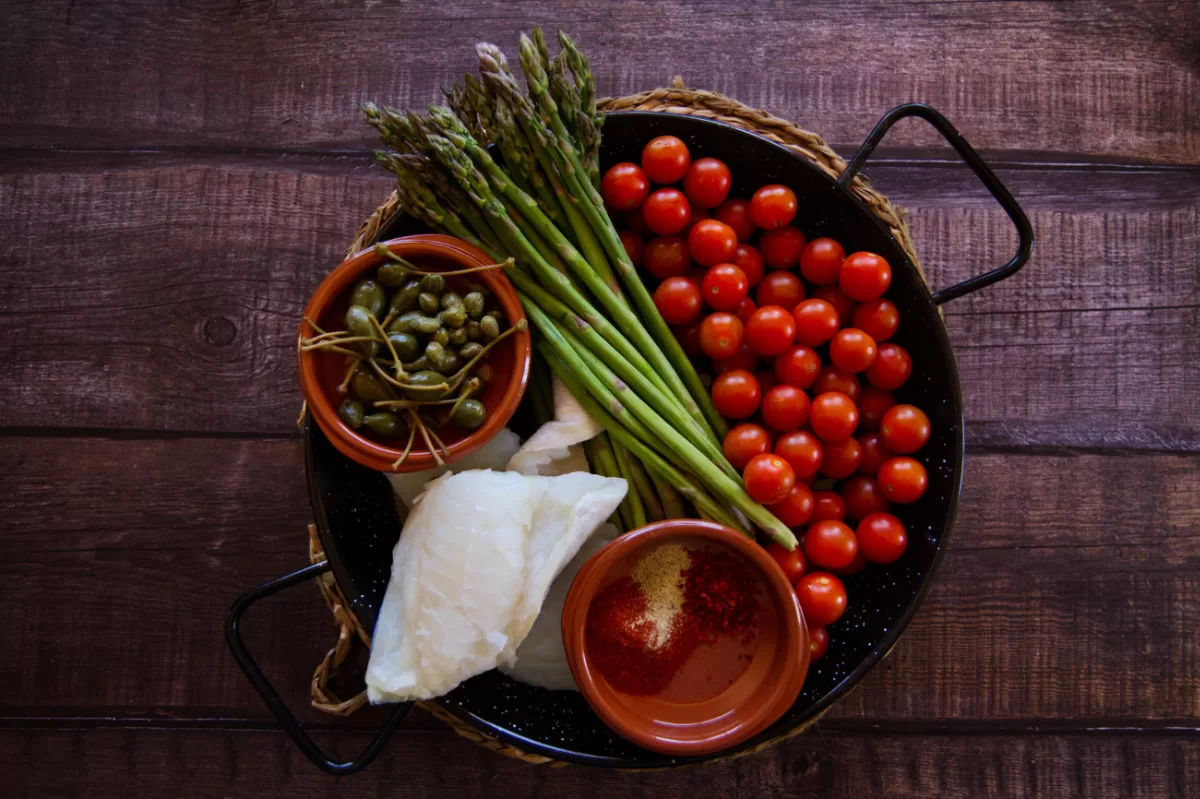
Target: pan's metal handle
978,166
285,717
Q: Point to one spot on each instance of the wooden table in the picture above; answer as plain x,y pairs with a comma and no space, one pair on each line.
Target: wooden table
175,181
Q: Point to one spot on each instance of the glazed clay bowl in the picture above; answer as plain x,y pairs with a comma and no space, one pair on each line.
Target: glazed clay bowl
692,720
507,363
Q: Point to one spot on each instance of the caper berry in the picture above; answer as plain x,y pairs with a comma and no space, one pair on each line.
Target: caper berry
369,295
490,326
358,323
470,350
406,345
474,303
429,302
426,385
351,412
415,322
454,316
458,336
392,274
368,388
451,298
469,415
405,298
384,424
434,284
442,337
474,333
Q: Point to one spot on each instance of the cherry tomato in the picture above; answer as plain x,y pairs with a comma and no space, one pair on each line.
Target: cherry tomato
767,380
891,367
743,442
879,319
832,379
747,257
785,408
816,321
863,497
852,350
688,337
839,300
666,211
624,186
802,451
821,261
872,405
711,242
744,309
678,300
833,416
632,243
736,394
858,564
830,545
902,479
841,458
770,330
768,478
796,508
773,206
822,598
744,358
798,366
721,335
874,453
790,560
724,287
881,538
818,643
666,159
864,276
666,256
780,288
781,247
706,183
735,212
904,429
829,505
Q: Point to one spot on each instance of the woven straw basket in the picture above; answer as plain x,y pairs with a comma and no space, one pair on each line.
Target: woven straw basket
676,100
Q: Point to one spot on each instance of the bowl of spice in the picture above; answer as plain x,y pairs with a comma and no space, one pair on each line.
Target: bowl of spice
685,637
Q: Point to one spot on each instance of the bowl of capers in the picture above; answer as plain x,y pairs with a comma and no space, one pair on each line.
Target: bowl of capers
414,352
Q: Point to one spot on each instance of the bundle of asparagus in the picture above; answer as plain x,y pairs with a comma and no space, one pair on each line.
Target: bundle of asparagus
595,321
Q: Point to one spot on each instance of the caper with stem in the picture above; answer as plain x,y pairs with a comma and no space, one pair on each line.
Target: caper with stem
358,323
384,423
405,344
435,284
392,275
405,298
429,302
490,326
426,385
369,295
351,412
469,414
470,350
367,387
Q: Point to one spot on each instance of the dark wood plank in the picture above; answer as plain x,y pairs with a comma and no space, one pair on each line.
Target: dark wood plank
194,277
437,763
1068,592
1117,79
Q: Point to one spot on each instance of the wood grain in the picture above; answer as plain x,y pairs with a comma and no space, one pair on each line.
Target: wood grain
190,278
1116,79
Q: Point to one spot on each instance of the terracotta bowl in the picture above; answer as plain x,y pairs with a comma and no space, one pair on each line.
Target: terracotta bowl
698,724
321,372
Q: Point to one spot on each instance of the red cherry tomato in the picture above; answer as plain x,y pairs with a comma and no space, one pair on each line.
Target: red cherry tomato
872,405
666,211
832,379
768,479
632,243
863,497
841,458
821,261
678,300
852,350
666,159
773,206
667,256
818,643
830,545
736,394
735,212
902,479
796,508
781,247
688,337
833,416
829,505
780,288
864,276
721,335
790,560
744,358
744,309
724,287
874,453
879,319
802,451
711,242
798,366
839,300
891,367
881,538
767,380
904,429
816,320
743,442
785,408
706,183
770,330
822,598
624,186
748,259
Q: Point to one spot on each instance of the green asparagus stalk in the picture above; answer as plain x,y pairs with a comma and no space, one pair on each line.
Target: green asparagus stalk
589,120
641,482
672,502
604,463
633,496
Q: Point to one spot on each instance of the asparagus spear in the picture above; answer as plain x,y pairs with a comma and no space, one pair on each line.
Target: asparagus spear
633,496
604,463
672,502
641,482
